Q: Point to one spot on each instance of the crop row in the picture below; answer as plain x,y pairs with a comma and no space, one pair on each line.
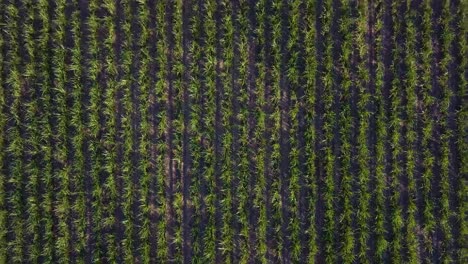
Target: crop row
219,131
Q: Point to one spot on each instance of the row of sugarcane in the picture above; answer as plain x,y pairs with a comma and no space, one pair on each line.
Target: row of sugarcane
215,131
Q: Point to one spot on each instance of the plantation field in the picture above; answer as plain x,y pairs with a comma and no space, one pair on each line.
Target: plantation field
233,131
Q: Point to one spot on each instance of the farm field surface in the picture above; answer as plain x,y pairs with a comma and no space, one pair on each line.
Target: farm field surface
233,131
